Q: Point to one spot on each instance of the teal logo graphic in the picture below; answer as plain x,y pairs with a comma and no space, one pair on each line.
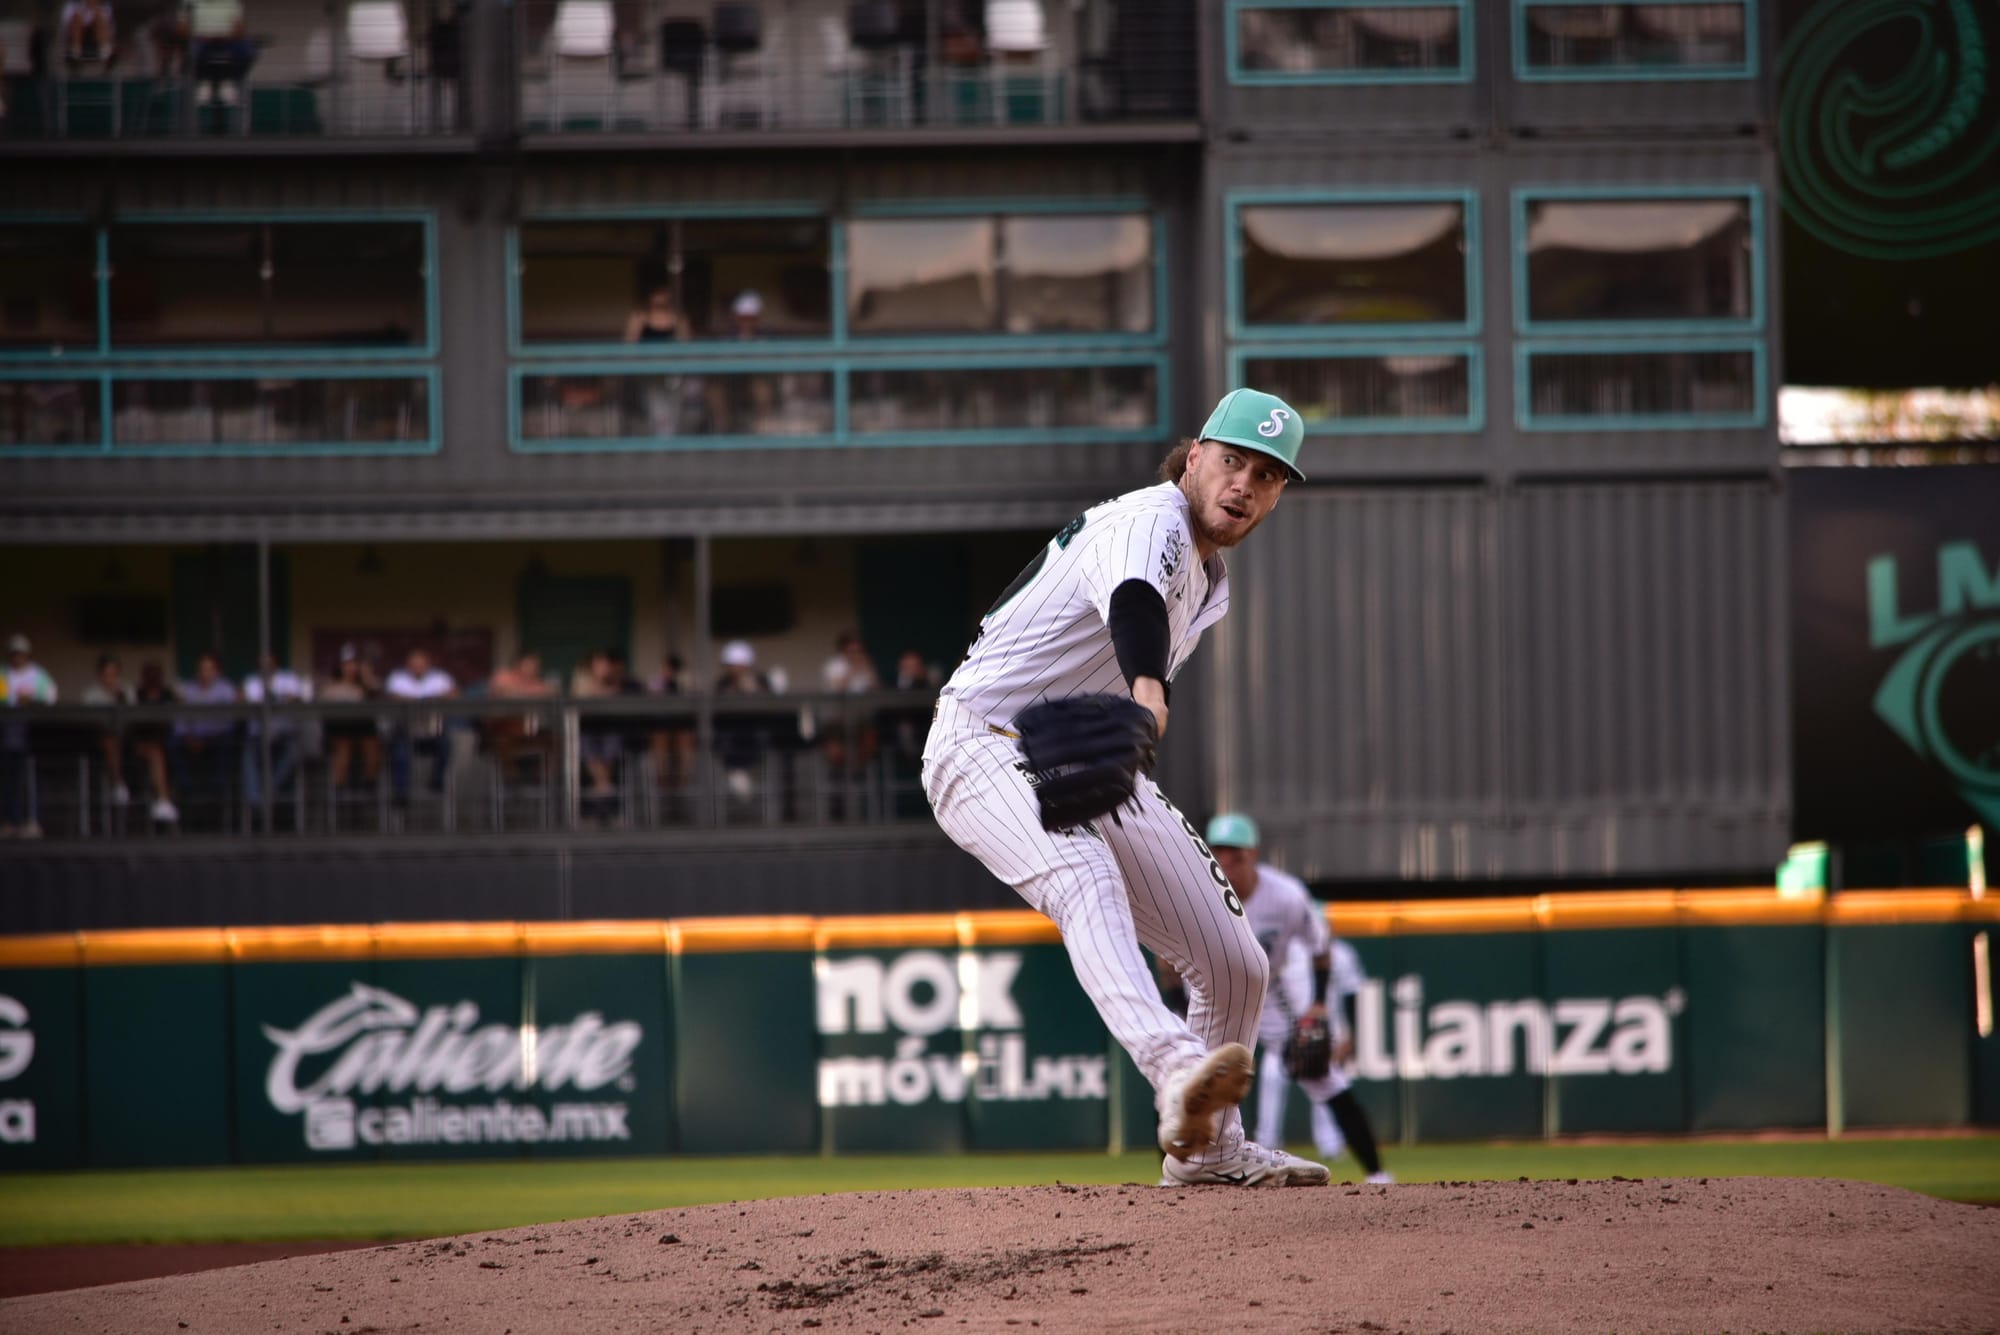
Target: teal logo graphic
1942,696
1889,126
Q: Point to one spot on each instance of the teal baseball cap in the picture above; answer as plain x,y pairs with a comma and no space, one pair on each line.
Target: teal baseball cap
1261,422
1232,829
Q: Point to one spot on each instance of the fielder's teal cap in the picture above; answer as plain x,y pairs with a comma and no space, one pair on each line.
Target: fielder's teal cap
1232,829
1261,422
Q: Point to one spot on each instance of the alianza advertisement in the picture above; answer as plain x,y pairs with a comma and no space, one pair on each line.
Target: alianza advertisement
195,1050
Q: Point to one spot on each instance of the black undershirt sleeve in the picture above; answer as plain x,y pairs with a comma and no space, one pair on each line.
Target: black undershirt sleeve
1347,1012
1138,624
1322,970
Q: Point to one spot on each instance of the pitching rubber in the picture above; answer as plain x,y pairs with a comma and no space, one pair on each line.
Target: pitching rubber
1214,1086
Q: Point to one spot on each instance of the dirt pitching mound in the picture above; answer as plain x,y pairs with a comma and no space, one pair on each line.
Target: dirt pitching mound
1661,1254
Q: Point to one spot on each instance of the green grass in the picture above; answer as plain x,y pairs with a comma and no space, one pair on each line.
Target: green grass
363,1201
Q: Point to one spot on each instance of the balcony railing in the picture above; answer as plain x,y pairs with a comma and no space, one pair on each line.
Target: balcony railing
590,66
462,766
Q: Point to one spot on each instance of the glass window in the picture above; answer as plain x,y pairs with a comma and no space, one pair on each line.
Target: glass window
50,412
922,276
277,410
1392,263
287,284
1610,38
1013,274
595,282
48,287
1643,384
1405,387
1340,40
666,407
1639,259
1103,398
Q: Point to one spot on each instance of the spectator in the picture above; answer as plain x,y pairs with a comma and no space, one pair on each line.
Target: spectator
741,740
149,740
222,52
674,742
169,31
27,684
907,728
89,33
354,682
205,748
658,319
419,679
849,747
603,742
510,736
748,311
109,690
287,687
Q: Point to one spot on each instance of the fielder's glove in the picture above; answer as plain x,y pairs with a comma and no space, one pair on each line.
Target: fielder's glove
1309,1048
1085,754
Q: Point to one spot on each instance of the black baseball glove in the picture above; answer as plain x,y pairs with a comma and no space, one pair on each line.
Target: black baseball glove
1309,1048
1085,754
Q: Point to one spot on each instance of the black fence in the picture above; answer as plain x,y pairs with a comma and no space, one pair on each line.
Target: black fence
462,766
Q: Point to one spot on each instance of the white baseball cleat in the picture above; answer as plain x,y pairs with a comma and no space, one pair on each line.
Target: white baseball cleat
1194,1100
1381,1179
1246,1164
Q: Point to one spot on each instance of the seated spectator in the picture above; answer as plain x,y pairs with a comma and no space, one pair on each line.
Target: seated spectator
287,687
849,746
149,740
89,33
169,30
27,684
222,53
748,313
909,727
674,742
205,748
418,679
109,689
354,682
513,735
603,742
741,740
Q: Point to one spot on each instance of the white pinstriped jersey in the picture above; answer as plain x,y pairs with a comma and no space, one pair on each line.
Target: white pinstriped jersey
1282,913
1048,635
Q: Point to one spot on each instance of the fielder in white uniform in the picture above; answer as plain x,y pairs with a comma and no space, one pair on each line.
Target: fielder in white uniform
1116,602
1291,926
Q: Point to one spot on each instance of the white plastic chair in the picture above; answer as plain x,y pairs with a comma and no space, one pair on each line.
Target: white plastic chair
378,36
1017,35
580,43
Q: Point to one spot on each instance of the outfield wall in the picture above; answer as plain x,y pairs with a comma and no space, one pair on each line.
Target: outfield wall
1649,1012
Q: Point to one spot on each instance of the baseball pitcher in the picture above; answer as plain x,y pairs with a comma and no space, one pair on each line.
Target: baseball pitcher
1038,764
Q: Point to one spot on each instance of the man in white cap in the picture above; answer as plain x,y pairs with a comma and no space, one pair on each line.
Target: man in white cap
1115,604
27,684
741,739
747,311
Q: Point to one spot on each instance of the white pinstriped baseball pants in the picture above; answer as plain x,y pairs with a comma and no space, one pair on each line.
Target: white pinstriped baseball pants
1149,879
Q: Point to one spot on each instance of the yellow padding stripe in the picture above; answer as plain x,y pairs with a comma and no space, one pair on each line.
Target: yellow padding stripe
1575,910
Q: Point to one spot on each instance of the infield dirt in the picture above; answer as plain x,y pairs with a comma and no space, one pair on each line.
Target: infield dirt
1656,1255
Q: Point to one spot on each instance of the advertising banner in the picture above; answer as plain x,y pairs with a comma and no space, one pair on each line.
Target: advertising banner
1895,650
41,1076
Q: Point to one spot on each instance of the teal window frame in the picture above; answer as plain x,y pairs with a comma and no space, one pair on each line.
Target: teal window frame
841,436
108,447
1758,416
840,339
425,351
1235,201
1527,327
1233,59
101,348
1526,73
1162,401
711,349
518,443
1472,352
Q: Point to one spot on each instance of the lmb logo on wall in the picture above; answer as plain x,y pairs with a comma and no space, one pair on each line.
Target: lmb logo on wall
449,1080
17,1051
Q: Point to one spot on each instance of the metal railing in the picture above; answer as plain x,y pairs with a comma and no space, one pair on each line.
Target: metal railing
462,766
